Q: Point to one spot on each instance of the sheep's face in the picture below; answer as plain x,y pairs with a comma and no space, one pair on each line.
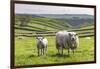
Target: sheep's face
72,36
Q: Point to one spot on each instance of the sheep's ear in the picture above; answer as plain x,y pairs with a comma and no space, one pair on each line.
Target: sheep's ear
76,34
36,37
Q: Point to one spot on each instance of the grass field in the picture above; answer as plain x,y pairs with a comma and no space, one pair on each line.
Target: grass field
26,52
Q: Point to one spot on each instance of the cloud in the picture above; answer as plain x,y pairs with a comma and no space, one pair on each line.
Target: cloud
47,9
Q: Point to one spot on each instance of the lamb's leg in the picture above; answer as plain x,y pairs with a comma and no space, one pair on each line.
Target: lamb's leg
41,51
58,51
73,51
38,52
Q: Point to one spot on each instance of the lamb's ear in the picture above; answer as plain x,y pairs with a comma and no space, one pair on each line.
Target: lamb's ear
43,37
69,34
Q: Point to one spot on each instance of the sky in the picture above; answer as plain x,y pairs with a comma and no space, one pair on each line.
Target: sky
47,9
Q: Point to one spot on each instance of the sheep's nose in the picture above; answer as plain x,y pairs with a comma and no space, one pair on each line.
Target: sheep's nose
73,39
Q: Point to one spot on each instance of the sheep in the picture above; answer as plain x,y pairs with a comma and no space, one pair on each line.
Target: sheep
67,40
42,44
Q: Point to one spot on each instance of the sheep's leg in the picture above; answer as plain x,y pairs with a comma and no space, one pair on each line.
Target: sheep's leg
68,51
62,50
46,50
58,48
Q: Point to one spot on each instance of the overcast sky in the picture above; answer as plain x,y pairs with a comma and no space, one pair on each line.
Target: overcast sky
46,9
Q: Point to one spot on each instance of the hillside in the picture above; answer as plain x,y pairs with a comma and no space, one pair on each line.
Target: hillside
42,24
74,20
49,26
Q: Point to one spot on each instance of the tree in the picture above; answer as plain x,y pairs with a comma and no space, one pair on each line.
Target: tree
76,17
24,19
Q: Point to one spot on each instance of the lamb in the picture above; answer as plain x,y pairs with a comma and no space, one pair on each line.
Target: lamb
42,44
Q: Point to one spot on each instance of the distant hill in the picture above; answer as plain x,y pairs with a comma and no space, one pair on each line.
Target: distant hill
74,20
33,15
62,16
67,16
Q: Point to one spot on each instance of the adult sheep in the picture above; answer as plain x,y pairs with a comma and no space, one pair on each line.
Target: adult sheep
67,40
42,44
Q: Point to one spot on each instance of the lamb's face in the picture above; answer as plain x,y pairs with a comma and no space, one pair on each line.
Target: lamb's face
40,39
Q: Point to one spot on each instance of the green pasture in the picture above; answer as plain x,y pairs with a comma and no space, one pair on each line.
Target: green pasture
26,52
26,47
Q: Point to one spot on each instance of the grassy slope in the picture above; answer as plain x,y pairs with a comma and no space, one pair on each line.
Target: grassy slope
86,27
81,32
45,24
26,52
